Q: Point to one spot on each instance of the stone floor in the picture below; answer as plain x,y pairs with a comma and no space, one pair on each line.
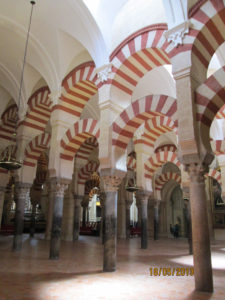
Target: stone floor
30,275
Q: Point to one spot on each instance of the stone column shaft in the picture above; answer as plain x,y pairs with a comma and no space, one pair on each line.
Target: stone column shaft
156,221
49,214
22,189
58,195
200,230
110,221
2,197
77,210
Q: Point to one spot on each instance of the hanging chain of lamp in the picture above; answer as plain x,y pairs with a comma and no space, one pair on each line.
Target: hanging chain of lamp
8,157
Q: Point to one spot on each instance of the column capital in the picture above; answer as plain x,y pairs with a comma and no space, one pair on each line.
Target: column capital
197,171
58,185
111,179
104,72
142,196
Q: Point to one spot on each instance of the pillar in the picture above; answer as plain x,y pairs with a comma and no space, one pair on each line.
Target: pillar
7,205
22,189
186,196
142,197
200,229
156,219
2,197
77,210
111,184
128,205
85,203
102,230
33,220
58,189
68,216
48,229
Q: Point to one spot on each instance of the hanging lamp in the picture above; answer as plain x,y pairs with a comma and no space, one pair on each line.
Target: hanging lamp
132,188
7,159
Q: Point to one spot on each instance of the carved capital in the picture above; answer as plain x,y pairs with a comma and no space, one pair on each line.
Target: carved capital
142,196
111,182
58,186
196,171
54,96
104,72
177,33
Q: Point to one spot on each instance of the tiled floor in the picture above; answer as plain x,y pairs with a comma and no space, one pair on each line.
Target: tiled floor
30,275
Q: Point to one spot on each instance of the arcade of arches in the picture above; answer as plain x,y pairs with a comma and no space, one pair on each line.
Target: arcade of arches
115,96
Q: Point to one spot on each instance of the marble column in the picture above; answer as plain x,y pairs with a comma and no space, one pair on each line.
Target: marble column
84,204
138,203
142,197
68,216
111,184
50,207
7,205
2,198
200,229
22,189
102,230
58,188
77,210
128,205
33,220
156,220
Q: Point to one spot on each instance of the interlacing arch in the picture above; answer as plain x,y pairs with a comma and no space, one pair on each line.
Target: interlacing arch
86,172
8,126
157,160
86,148
141,111
164,178
166,147
137,55
39,110
215,175
77,88
155,127
210,97
35,147
76,135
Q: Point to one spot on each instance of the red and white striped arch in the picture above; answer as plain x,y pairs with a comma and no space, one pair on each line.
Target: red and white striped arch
39,110
155,127
215,174
165,177
210,97
35,147
76,135
141,111
8,126
86,148
166,147
159,159
131,163
139,54
85,172
221,113
77,88
218,147
209,32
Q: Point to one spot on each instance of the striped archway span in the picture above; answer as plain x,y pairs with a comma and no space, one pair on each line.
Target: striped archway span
86,148
164,178
8,118
218,147
155,127
77,88
159,159
137,55
35,147
76,135
141,111
39,110
166,147
85,172
206,34
210,98
221,113
215,175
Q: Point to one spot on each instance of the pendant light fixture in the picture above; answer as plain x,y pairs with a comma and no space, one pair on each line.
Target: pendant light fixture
8,160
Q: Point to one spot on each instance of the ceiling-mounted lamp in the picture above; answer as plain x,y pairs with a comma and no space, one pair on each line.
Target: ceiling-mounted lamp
8,160
131,185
